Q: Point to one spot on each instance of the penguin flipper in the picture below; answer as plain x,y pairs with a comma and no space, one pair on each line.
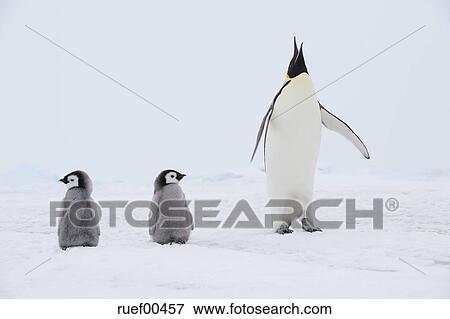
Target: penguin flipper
154,219
266,120
335,124
262,128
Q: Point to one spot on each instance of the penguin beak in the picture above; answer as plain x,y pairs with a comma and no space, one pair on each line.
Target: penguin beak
297,65
63,180
180,176
293,59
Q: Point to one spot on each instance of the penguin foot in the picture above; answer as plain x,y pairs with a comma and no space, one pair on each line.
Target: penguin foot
178,242
284,229
173,241
308,226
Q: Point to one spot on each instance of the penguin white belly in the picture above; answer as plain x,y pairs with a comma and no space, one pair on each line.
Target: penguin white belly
293,142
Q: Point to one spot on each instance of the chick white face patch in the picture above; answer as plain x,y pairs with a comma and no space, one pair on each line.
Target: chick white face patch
72,181
171,178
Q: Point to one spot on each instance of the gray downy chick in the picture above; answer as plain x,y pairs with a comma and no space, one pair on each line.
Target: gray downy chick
85,232
167,188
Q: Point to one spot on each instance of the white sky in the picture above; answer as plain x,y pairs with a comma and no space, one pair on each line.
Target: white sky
216,65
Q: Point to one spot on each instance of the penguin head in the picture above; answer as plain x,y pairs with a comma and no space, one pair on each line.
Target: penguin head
77,179
297,65
168,176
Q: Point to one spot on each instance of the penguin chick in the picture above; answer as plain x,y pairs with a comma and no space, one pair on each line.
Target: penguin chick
86,231
166,187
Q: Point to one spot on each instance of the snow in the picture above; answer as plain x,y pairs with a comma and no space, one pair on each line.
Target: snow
231,263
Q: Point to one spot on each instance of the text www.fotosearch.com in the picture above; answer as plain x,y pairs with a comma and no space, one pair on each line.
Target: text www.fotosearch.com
230,309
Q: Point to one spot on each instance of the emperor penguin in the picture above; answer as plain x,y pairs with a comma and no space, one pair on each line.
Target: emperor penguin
292,133
84,230
167,189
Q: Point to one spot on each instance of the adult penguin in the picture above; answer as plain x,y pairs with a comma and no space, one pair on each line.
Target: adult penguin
292,132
